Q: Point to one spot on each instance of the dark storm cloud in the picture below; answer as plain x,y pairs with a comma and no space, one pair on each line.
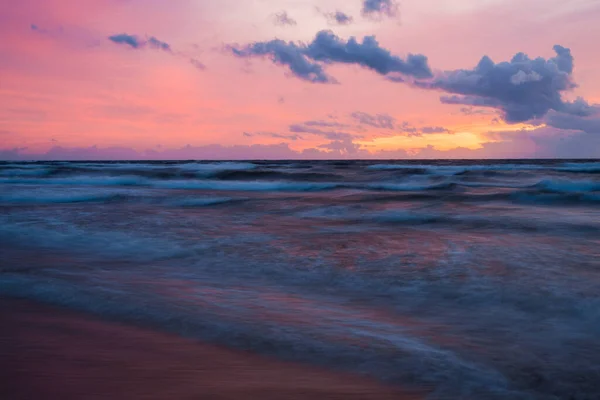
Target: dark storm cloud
522,89
283,19
306,60
378,8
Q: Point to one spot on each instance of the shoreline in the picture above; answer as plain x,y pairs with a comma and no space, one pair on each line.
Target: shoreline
55,353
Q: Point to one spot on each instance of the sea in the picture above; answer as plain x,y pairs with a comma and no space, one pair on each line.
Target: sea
469,279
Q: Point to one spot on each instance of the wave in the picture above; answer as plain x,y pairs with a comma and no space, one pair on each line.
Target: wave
450,170
327,336
487,170
202,202
211,168
411,187
568,186
571,199
476,222
255,186
251,186
262,174
158,170
24,172
80,181
62,198
587,168
56,234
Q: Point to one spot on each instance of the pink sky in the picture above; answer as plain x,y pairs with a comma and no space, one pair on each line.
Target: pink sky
67,91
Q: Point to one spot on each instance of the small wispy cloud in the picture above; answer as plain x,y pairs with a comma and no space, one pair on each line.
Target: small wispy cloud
338,18
380,8
283,19
137,42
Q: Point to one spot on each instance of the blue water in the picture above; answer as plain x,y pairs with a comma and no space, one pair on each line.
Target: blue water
472,279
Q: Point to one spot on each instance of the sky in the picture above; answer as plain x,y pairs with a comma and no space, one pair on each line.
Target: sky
299,79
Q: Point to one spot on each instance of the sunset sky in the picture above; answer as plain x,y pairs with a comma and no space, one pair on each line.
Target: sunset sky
278,79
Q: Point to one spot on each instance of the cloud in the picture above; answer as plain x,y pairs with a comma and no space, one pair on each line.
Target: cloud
209,152
130,40
136,42
283,19
475,111
288,54
158,44
328,134
338,18
410,130
544,142
329,48
198,64
37,28
573,123
13,154
326,124
387,122
273,135
522,89
379,8
342,147
306,60
382,121
435,129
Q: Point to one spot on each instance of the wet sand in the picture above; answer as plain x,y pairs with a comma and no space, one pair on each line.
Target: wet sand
51,353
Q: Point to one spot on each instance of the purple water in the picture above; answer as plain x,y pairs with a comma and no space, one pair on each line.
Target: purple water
474,279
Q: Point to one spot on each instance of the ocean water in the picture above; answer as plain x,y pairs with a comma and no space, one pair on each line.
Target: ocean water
472,279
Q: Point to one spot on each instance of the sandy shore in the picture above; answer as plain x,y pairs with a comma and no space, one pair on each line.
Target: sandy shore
51,353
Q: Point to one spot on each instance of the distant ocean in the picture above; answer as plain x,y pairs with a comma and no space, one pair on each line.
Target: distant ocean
476,279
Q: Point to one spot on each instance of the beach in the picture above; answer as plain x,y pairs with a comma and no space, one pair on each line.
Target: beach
52,353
